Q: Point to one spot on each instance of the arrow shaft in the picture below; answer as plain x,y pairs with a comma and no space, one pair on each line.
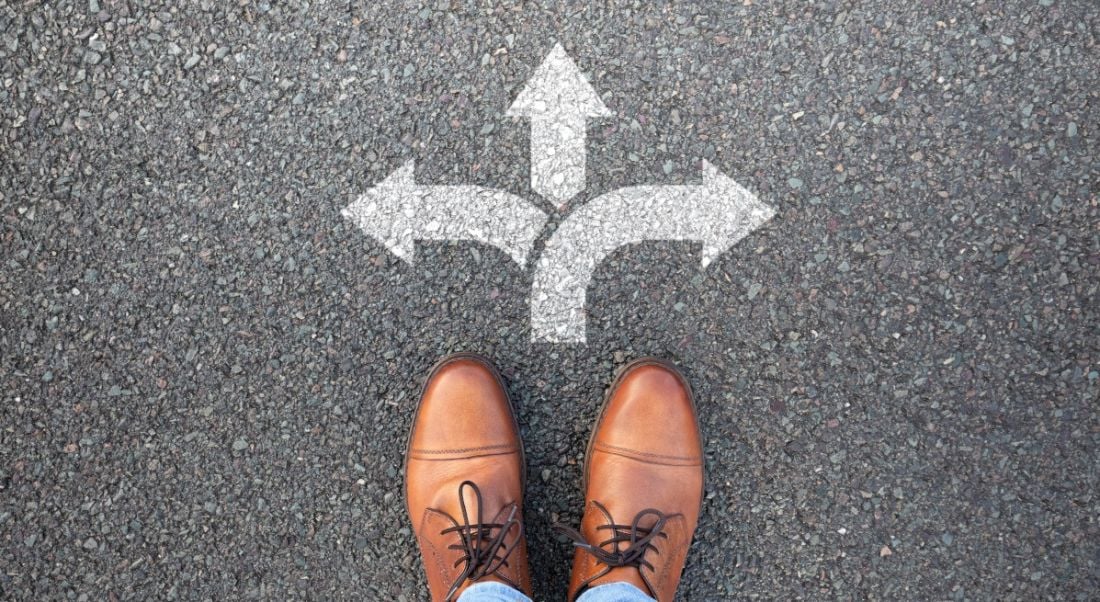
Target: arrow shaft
558,156
399,212
587,237
484,215
471,212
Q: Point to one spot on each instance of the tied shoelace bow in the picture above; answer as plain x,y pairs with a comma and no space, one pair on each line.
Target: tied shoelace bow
481,549
639,540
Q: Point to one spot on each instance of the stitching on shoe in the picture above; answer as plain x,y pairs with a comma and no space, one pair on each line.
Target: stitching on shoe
614,449
464,450
441,567
672,552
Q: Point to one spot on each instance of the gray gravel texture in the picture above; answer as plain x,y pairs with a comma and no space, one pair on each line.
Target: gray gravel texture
207,374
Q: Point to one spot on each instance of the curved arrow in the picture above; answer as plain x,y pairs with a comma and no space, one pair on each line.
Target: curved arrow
398,211
719,212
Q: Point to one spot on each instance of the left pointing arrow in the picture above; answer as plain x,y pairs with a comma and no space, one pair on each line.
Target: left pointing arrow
397,212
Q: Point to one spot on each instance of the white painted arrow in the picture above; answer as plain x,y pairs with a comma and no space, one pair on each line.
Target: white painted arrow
558,100
719,212
397,212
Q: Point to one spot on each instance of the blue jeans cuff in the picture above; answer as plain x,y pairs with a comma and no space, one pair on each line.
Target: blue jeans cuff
491,591
614,592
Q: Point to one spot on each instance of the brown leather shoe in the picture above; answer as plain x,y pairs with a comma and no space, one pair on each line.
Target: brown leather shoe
643,484
464,480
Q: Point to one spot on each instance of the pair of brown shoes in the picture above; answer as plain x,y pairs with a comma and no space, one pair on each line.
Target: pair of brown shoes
465,476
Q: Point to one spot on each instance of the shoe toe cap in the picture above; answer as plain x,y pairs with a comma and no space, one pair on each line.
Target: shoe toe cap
651,413
464,409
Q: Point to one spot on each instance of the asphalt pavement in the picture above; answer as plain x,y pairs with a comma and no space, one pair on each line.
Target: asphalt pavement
207,372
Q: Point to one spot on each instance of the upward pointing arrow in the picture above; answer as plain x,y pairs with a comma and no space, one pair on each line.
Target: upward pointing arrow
558,100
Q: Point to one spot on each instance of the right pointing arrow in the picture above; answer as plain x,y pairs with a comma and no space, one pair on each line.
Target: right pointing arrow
398,212
718,213
558,100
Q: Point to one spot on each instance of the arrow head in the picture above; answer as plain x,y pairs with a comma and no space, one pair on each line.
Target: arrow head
740,212
384,212
558,88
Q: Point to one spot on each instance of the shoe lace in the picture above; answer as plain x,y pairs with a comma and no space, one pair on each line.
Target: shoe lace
639,540
484,547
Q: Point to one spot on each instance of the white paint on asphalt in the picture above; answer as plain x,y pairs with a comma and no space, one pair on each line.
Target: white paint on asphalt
398,211
718,213
558,100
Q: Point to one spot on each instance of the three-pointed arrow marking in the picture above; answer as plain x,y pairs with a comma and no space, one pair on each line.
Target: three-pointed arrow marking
719,212
398,211
558,100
